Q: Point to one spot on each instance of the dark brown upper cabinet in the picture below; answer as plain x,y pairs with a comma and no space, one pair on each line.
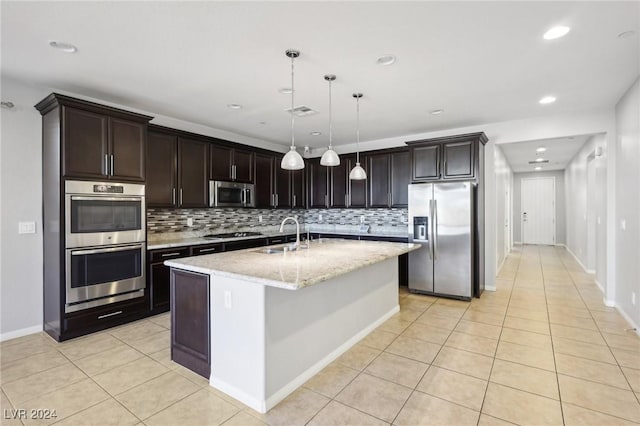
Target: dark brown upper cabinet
318,179
378,180
193,173
264,194
388,177
283,185
274,185
400,178
358,188
446,158
162,170
98,142
298,189
232,164
339,176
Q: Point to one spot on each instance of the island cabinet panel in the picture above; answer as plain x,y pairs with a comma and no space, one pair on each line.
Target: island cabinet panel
162,167
318,184
190,321
193,173
264,195
231,164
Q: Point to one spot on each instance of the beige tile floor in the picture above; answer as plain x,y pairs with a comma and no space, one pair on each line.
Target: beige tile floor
543,349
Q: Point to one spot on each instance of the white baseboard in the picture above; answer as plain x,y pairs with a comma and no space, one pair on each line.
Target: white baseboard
490,287
626,317
519,243
560,245
262,406
609,303
19,333
600,287
584,268
590,271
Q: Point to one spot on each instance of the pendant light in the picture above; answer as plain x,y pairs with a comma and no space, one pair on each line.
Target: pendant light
357,173
292,159
330,157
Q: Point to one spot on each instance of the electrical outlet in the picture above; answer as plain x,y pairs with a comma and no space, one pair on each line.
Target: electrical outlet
227,300
26,227
361,219
260,218
320,217
403,219
189,221
633,298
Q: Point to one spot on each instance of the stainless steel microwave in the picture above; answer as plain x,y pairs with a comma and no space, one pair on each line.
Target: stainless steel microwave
231,194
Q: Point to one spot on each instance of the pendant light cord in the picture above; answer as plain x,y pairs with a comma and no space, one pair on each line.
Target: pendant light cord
293,140
330,119
358,130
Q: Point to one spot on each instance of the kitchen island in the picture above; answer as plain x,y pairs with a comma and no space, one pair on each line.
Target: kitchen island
275,318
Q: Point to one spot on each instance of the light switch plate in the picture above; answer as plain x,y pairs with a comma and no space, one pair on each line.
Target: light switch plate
26,227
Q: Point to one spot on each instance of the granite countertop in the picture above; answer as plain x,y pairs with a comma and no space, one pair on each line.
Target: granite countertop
192,239
323,260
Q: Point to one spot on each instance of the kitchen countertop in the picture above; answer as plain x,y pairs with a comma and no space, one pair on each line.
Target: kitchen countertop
323,260
192,239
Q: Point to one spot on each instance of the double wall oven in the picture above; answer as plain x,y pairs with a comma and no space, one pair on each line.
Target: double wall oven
105,243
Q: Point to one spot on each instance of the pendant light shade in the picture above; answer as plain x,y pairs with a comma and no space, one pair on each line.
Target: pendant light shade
330,157
292,160
357,173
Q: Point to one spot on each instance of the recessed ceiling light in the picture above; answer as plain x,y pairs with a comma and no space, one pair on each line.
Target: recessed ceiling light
315,133
627,34
537,168
65,47
541,149
556,32
234,106
386,60
539,159
437,111
547,100
285,90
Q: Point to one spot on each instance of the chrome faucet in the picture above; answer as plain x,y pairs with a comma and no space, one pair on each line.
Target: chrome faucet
297,244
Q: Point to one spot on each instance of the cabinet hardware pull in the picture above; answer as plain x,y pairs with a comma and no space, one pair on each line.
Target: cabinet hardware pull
111,165
207,250
444,168
277,200
294,200
170,254
173,196
389,199
233,172
109,315
180,202
273,200
106,165
326,200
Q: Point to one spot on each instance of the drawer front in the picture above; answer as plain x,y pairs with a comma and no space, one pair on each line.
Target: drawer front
90,320
207,249
166,254
278,240
244,244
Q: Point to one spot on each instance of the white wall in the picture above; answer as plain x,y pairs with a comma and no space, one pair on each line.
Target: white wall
560,203
576,205
627,145
504,195
21,195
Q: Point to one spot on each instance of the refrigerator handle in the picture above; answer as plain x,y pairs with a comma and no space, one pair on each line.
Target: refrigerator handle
429,231
435,230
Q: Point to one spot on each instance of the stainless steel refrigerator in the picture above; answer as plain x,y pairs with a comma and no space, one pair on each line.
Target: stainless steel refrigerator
441,218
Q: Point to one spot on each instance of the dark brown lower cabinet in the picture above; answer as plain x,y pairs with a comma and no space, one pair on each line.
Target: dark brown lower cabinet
190,321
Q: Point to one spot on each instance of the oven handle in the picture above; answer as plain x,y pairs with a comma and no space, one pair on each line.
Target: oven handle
101,198
106,250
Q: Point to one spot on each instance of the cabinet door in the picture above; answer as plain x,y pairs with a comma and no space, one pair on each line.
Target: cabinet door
264,181
220,161
458,160
243,163
128,149
282,185
426,162
193,173
159,288
162,162
400,179
378,177
358,188
298,189
339,184
85,144
318,184
190,321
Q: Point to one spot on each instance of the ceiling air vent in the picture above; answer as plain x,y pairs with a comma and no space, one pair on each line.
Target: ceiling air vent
301,111
539,162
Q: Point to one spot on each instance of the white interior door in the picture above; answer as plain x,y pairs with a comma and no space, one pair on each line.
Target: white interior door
538,210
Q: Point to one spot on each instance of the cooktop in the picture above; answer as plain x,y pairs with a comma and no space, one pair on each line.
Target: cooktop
234,235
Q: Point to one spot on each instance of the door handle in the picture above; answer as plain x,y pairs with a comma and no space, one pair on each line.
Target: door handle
326,200
173,196
106,165
435,230
180,201
430,231
244,197
294,200
110,315
277,200
111,164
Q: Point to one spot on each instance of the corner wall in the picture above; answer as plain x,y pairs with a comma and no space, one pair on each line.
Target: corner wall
560,203
504,195
627,261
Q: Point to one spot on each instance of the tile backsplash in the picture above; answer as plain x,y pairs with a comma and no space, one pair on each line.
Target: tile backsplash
230,219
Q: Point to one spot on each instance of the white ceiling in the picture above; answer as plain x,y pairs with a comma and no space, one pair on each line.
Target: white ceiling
479,61
559,152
